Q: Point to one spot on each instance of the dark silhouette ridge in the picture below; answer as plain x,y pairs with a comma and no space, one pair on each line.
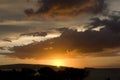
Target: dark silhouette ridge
43,73
107,78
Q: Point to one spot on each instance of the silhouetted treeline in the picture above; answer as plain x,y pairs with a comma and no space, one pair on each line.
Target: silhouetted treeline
44,73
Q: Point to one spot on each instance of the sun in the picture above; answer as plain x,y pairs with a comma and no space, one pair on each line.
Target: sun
58,62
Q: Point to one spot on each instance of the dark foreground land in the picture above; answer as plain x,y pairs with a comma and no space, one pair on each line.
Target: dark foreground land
104,74
43,72
40,72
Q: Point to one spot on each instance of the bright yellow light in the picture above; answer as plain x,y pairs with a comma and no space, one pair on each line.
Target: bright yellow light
58,62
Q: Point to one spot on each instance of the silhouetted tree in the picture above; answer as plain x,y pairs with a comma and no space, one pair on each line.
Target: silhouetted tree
47,73
75,74
107,78
28,74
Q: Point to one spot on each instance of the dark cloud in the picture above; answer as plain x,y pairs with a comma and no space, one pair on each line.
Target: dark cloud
2,48
111,24
7,40
35,34
7,29
66,8
105,42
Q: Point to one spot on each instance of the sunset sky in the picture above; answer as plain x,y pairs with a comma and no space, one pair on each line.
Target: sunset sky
73,33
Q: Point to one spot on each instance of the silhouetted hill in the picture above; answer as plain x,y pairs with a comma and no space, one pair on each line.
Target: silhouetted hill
18,66
41,72
62,73
30,66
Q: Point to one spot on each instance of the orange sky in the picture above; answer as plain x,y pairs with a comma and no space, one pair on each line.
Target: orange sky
73,33
80,62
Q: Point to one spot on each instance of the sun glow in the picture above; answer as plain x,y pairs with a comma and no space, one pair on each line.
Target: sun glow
57,62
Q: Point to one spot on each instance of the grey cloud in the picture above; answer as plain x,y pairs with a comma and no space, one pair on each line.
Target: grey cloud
2,48
5,30
12,28
66,8
105,42
7,40
111,24
13,9
35,34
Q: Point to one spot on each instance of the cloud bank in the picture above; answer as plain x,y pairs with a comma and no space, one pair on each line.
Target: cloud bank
66,8
105,42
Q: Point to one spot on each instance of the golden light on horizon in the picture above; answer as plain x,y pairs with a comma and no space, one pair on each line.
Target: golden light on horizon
57,62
